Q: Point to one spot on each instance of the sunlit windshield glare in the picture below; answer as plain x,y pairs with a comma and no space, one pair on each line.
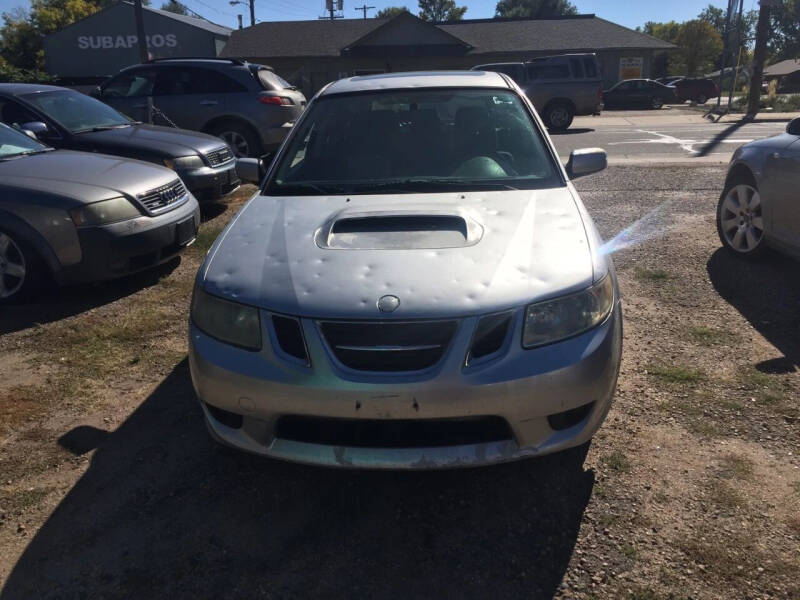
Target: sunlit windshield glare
75,111
13,143
415,141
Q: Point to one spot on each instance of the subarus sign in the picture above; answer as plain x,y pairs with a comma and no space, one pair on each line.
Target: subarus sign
105,42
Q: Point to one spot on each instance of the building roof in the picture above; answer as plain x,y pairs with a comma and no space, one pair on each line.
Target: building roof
420,80
193,21
785,67
484,36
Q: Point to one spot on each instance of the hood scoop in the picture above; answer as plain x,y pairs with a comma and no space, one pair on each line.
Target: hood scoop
398,230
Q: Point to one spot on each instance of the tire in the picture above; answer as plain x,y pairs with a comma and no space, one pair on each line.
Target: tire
22,272
656,102
701,98
740,224
240,137
558,116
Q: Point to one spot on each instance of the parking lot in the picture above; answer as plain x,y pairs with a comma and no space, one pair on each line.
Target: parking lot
110,486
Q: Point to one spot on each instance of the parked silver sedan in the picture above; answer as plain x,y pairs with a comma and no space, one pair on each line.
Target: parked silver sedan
760,204
416,285
79,216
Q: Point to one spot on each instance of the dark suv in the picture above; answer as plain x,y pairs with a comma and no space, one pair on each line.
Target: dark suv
245,104
696,89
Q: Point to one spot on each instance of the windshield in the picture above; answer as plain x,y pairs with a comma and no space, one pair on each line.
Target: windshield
76,112
415,141
14,143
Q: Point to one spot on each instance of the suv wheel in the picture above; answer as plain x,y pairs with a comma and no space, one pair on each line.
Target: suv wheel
701,98
20,269
656,102
558,117
740,224
239,137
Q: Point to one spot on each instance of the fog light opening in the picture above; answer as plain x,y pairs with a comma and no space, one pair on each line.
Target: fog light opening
569,418
225,417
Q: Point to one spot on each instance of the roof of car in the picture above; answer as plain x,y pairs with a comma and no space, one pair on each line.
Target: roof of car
16,89
416,80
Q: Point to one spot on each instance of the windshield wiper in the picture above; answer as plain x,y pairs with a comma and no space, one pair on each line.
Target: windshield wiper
102,128
423,185
303,188
27,153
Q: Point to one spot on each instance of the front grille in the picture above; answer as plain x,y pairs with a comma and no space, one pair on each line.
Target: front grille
394,433
219,156
388,346
489,337
162,198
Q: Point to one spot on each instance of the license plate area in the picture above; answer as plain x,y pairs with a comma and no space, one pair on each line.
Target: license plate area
185,231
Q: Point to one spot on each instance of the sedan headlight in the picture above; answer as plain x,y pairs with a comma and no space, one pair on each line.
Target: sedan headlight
229,322
184,162
560,318
104,212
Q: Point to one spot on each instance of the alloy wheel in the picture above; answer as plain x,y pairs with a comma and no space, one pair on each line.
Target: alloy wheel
740,218
559,117
12,267
701,99
657,102
237,142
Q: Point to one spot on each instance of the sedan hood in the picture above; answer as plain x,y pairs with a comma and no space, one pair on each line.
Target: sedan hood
149,139
440,254
782,140
82,176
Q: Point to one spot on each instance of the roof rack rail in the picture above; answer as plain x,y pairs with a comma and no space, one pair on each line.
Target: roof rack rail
233,61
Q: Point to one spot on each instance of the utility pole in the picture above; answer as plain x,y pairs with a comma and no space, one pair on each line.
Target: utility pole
252,4
364,8
332,6
240,20
759,56
140,35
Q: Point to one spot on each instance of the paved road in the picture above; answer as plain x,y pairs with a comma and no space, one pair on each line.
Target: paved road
669,135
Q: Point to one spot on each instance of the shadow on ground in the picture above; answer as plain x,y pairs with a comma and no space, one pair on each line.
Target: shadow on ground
571,131
767,293
58,303
163,512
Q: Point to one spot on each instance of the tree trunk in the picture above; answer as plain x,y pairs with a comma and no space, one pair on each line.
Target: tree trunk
759,56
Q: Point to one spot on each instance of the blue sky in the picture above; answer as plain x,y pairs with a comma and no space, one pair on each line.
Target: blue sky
625,12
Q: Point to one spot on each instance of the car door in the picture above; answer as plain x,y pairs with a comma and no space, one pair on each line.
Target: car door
782,170
619,95
190,97
128,92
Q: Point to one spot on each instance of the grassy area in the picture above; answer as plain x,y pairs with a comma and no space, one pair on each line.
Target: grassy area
707,336
778,103
617,461
675,373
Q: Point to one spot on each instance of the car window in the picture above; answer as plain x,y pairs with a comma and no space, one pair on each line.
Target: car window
547,71
416,141
13,143
75,111
130,84
176,81
271,81
625,86
590,66
12,113
577,67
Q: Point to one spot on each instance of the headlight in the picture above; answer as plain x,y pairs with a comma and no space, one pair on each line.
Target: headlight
106,211
560,318
184,162
227,321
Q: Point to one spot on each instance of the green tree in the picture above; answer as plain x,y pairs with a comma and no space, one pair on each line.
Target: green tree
440,10
699,48
176,7
534,9
784,41
390,11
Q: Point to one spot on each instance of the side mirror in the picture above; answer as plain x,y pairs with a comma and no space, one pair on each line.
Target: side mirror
37,128
585,161
250,170
793,127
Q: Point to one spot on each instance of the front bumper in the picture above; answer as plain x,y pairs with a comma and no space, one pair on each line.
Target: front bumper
119,249
211,183
523,387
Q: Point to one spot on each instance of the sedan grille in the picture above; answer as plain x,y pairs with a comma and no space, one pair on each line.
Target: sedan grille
163,198
388,346
219,156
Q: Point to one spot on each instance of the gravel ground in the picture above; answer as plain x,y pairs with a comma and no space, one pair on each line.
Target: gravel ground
111,488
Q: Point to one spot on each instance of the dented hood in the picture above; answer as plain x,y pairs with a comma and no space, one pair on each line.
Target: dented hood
450,254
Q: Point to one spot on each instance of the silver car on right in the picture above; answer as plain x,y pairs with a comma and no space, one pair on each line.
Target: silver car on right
759,207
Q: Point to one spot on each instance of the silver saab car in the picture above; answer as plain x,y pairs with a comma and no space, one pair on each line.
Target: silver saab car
415,285
760,205
79,216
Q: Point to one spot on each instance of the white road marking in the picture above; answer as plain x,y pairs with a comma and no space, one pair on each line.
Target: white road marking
685,144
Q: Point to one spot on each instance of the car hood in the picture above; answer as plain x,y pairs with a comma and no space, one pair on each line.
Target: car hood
284,253
152,139
83,176
782,140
